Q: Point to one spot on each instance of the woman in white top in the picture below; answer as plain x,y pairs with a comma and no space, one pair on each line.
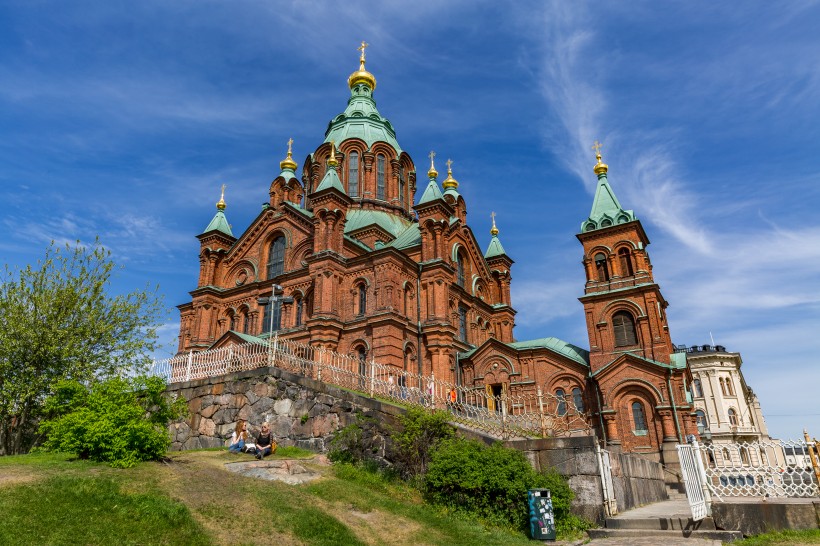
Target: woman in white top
239,437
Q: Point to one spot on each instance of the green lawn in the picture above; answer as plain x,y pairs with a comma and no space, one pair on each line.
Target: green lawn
810,536
50,499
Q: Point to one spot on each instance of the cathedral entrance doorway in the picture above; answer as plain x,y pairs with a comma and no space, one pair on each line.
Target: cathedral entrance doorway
494,396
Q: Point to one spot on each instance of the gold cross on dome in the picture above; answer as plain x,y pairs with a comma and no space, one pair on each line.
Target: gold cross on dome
290,143
597,147
432,156
492,215
449,164
223,191
362,47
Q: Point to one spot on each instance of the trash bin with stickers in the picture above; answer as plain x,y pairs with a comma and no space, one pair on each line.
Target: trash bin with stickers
542,519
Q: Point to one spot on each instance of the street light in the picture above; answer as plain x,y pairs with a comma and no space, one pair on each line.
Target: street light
273,334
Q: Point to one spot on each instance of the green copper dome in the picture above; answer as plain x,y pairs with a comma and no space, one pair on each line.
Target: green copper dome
362,120
606,209
219,223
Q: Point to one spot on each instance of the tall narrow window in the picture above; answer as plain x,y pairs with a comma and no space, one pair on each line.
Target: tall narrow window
624,327
272,323
744,456
600,267
697,388
233,322
729,389
626,262
578,399
639,418
380,176
732,417
401,187
246,324
462,323
276,258
562,402
299,307
700,418
460,269
362,299
353,174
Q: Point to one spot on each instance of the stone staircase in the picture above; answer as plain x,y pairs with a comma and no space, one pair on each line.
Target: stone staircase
670,519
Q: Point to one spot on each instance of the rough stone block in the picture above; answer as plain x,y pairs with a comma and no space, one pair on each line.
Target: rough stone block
283,407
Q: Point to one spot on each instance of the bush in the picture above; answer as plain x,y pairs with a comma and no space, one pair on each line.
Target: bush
492,483
421,433
118,421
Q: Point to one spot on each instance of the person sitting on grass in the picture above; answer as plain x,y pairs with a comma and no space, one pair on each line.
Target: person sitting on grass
239,437
265,445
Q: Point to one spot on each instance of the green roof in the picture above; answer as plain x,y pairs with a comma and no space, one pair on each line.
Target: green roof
287,174
249,338
606,210
495,248
219,223
331,180
675,365
431,193
569,350
362,120
361,218
409,238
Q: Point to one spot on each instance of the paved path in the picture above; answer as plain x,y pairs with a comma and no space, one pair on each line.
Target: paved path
654,541
664,509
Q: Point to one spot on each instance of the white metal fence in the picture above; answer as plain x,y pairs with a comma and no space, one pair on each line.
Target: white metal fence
510,414
760,469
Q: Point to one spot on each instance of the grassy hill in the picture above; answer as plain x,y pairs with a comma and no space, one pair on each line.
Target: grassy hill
193,500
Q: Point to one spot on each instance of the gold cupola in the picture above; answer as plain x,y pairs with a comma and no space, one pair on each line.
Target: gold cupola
221,205
600,167
288,162
362,75
449,182
493,230
432,173
331,160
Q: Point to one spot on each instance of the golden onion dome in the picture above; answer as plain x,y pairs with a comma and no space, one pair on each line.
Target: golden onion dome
432,173
331,160
288,162
493,230
221,205
362,75
450,182
600,167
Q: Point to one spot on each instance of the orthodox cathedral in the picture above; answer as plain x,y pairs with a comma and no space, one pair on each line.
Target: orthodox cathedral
360,267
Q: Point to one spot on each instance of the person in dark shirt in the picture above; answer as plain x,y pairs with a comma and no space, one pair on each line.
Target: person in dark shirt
264,442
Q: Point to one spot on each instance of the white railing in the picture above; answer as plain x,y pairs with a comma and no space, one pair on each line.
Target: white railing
759,469
511,414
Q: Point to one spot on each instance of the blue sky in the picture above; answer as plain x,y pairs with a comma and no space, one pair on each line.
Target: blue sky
123,119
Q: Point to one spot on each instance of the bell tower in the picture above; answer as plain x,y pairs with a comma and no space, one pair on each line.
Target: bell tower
624,309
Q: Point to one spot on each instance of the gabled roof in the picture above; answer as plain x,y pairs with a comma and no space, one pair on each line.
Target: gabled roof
569,350
431,193
219,223
331,180
410,237
674,366
606,209
495,248
361,218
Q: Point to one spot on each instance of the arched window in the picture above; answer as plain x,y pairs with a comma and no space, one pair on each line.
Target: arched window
299,308
625,262
601,267
362,354
624,329
732,417
697,388
401,187
578,399
462,323
744,456
729,389
276,258
639,418
362,299
246,324
703,424
272,323
727,458
460,269
380,176
353,174
233,322
562,401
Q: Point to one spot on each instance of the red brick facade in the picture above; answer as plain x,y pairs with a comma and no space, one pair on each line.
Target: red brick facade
366,270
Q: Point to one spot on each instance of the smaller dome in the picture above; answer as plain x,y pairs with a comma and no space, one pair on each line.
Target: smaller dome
221,205
288,162
600,167
432,173
362,75
449,182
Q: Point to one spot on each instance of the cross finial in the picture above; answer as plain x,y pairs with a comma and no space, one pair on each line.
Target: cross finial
220,205
449,165
290,143
222,197
493,230
361,48
432,156
597,147
432,173
492,215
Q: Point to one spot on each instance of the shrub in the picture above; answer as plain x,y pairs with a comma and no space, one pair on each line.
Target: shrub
421,432
491,483
118,421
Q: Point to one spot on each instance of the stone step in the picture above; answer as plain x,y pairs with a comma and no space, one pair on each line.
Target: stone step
711,534
661,524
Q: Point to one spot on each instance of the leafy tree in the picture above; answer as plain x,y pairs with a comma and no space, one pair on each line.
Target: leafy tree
57,322
421,432
118,421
